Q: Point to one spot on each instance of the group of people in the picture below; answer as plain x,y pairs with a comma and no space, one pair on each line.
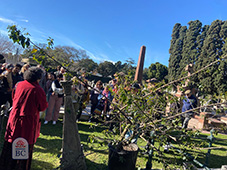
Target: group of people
31,90
28,99
101,98
10,75
28,90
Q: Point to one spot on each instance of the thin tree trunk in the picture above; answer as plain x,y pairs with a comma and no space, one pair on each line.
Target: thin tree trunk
72,156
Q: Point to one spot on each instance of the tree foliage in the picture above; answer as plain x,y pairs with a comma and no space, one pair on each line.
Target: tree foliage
176,49
63,54
200,45
106,68
7,46
157,71
86,64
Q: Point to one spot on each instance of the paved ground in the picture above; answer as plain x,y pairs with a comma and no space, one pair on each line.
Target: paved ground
85,113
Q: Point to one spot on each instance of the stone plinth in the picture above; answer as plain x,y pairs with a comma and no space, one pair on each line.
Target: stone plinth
216,123
199,121
195,124
224,119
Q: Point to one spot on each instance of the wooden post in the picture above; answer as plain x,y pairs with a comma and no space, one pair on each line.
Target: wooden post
72,156
139,68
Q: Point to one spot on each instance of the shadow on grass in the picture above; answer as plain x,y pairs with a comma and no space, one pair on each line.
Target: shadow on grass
41,165
48,146
54,145
56,130
214,161
52,130
201,157
95,166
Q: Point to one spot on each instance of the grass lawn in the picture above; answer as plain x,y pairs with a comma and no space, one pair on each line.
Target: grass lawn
47,149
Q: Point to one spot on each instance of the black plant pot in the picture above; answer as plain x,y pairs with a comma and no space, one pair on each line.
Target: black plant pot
124,159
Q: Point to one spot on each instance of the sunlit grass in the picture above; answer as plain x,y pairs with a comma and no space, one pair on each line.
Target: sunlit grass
47,150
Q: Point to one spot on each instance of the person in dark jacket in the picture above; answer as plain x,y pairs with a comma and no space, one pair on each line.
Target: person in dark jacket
15,74
94,96
189,102
28,100
4,87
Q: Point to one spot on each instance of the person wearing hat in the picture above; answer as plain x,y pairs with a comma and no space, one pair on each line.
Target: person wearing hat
135,87
189,103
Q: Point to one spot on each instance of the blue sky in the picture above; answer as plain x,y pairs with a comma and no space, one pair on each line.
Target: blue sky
112,30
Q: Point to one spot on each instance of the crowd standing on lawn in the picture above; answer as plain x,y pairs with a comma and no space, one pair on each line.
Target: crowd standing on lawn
100,96
44,91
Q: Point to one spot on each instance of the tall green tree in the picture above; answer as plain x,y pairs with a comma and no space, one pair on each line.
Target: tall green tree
68,52
145,73
198,60
190,44
63,54
220,80
125,67
200,45
38,56
87,64
106,68
118,65
158,71
210,80
128,66
176,49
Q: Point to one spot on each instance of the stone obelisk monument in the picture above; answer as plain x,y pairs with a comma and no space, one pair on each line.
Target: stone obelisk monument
139,68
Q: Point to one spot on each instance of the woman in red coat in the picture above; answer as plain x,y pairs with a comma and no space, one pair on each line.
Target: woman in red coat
28,100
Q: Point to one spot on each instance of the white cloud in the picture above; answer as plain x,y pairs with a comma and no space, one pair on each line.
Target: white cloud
24,20
94,57
20,18
8,21
104,57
